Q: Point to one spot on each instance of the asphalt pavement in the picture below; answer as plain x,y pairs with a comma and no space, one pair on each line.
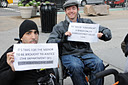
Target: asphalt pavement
110,52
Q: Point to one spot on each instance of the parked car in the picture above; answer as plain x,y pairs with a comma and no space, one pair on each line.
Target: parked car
4,3
84,2
114,3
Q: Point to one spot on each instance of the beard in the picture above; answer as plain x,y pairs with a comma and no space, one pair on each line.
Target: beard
33,40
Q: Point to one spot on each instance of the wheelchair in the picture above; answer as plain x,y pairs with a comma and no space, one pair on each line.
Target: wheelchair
120,78
61,73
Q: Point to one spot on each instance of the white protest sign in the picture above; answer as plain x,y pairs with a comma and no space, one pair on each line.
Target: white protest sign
35,56
83,32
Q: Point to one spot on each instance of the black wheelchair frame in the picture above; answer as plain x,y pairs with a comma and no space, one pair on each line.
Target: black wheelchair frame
61,73
120,78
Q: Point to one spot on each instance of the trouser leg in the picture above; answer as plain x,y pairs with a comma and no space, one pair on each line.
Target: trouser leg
75,66
96,64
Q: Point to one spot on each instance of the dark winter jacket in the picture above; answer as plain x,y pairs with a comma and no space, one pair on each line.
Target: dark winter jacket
126,53
8,77
71,47
126,42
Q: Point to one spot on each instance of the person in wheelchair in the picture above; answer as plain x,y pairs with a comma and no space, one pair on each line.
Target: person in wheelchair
28,33
124,47
76,55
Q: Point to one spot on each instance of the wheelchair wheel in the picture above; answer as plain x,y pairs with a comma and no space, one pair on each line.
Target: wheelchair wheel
59,73
58,77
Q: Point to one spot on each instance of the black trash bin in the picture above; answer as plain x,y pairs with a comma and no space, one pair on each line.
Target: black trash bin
48,16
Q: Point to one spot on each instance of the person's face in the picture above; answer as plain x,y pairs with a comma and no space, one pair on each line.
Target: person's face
30,37
71,12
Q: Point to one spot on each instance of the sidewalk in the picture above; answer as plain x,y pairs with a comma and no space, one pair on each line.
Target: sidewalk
108,51
14,21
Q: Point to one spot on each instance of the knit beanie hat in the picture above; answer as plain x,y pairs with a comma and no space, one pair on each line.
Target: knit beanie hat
27,25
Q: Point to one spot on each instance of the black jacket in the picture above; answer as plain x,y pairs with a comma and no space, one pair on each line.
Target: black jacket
8,77
71,47
126,42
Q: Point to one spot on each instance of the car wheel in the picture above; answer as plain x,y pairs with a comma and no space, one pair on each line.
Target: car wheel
4,3
112,5
123,4
83,2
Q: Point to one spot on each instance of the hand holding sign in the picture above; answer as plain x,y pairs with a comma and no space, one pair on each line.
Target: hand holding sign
10,60
35,56
83,32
